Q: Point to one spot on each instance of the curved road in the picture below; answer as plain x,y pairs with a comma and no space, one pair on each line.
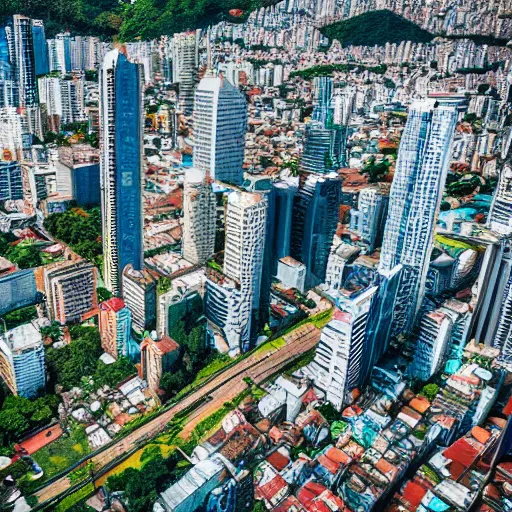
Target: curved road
224,387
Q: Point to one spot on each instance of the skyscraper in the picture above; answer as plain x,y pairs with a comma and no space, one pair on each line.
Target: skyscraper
420,175
185,64
338,363
232,297
199,218
121,166
220,118
315,219
40,48
20,45
500,215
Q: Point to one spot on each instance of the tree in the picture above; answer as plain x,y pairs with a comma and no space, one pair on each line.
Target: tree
68,364
375,171
141,487
103,294
53,331
19,415
430,391
173,382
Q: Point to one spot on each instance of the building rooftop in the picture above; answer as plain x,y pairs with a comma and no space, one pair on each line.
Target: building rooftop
114,304
291,262
23,337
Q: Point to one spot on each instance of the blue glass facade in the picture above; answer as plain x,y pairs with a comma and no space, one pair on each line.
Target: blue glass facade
315,220
30,371
86,184
11,185
40,48
18,290
128,158
8,88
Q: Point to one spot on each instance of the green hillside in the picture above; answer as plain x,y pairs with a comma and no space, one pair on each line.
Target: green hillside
144,19
376,28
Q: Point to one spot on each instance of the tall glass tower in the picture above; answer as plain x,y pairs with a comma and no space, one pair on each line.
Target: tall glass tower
42,63
121,166
420,174
18,40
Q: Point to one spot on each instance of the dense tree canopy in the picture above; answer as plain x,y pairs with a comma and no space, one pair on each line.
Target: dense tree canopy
376,28
79,228
143,19
19,415
67,365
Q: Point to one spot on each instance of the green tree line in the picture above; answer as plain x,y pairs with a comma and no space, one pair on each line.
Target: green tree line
143,19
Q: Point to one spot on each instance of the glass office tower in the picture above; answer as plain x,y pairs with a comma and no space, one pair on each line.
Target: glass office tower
121,166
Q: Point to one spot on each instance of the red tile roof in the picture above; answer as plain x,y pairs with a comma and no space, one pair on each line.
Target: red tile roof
114,304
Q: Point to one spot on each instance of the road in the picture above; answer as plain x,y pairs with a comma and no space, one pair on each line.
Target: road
224,387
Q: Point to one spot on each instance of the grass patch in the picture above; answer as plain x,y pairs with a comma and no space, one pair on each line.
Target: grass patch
76,497
269,345
219,362
62,453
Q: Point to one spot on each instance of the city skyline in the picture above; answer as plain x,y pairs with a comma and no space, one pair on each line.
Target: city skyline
256,257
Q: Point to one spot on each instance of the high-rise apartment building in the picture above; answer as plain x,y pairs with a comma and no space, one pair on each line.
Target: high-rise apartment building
76,50
78,173
11,183
369,218
115,322
199,217
220,118
73,101
139,293
500,215
59,51
246,218
71,291
40,48
340,355
315,220
185,65
222,305
11,135
121,166
420,174
22,363
233,297
20,46
434,335
64,100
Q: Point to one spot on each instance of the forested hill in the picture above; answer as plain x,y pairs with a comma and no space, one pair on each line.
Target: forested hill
145,19
376,28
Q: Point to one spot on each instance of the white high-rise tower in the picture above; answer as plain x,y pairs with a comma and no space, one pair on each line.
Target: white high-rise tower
416,193
246,218
220,119
199,217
